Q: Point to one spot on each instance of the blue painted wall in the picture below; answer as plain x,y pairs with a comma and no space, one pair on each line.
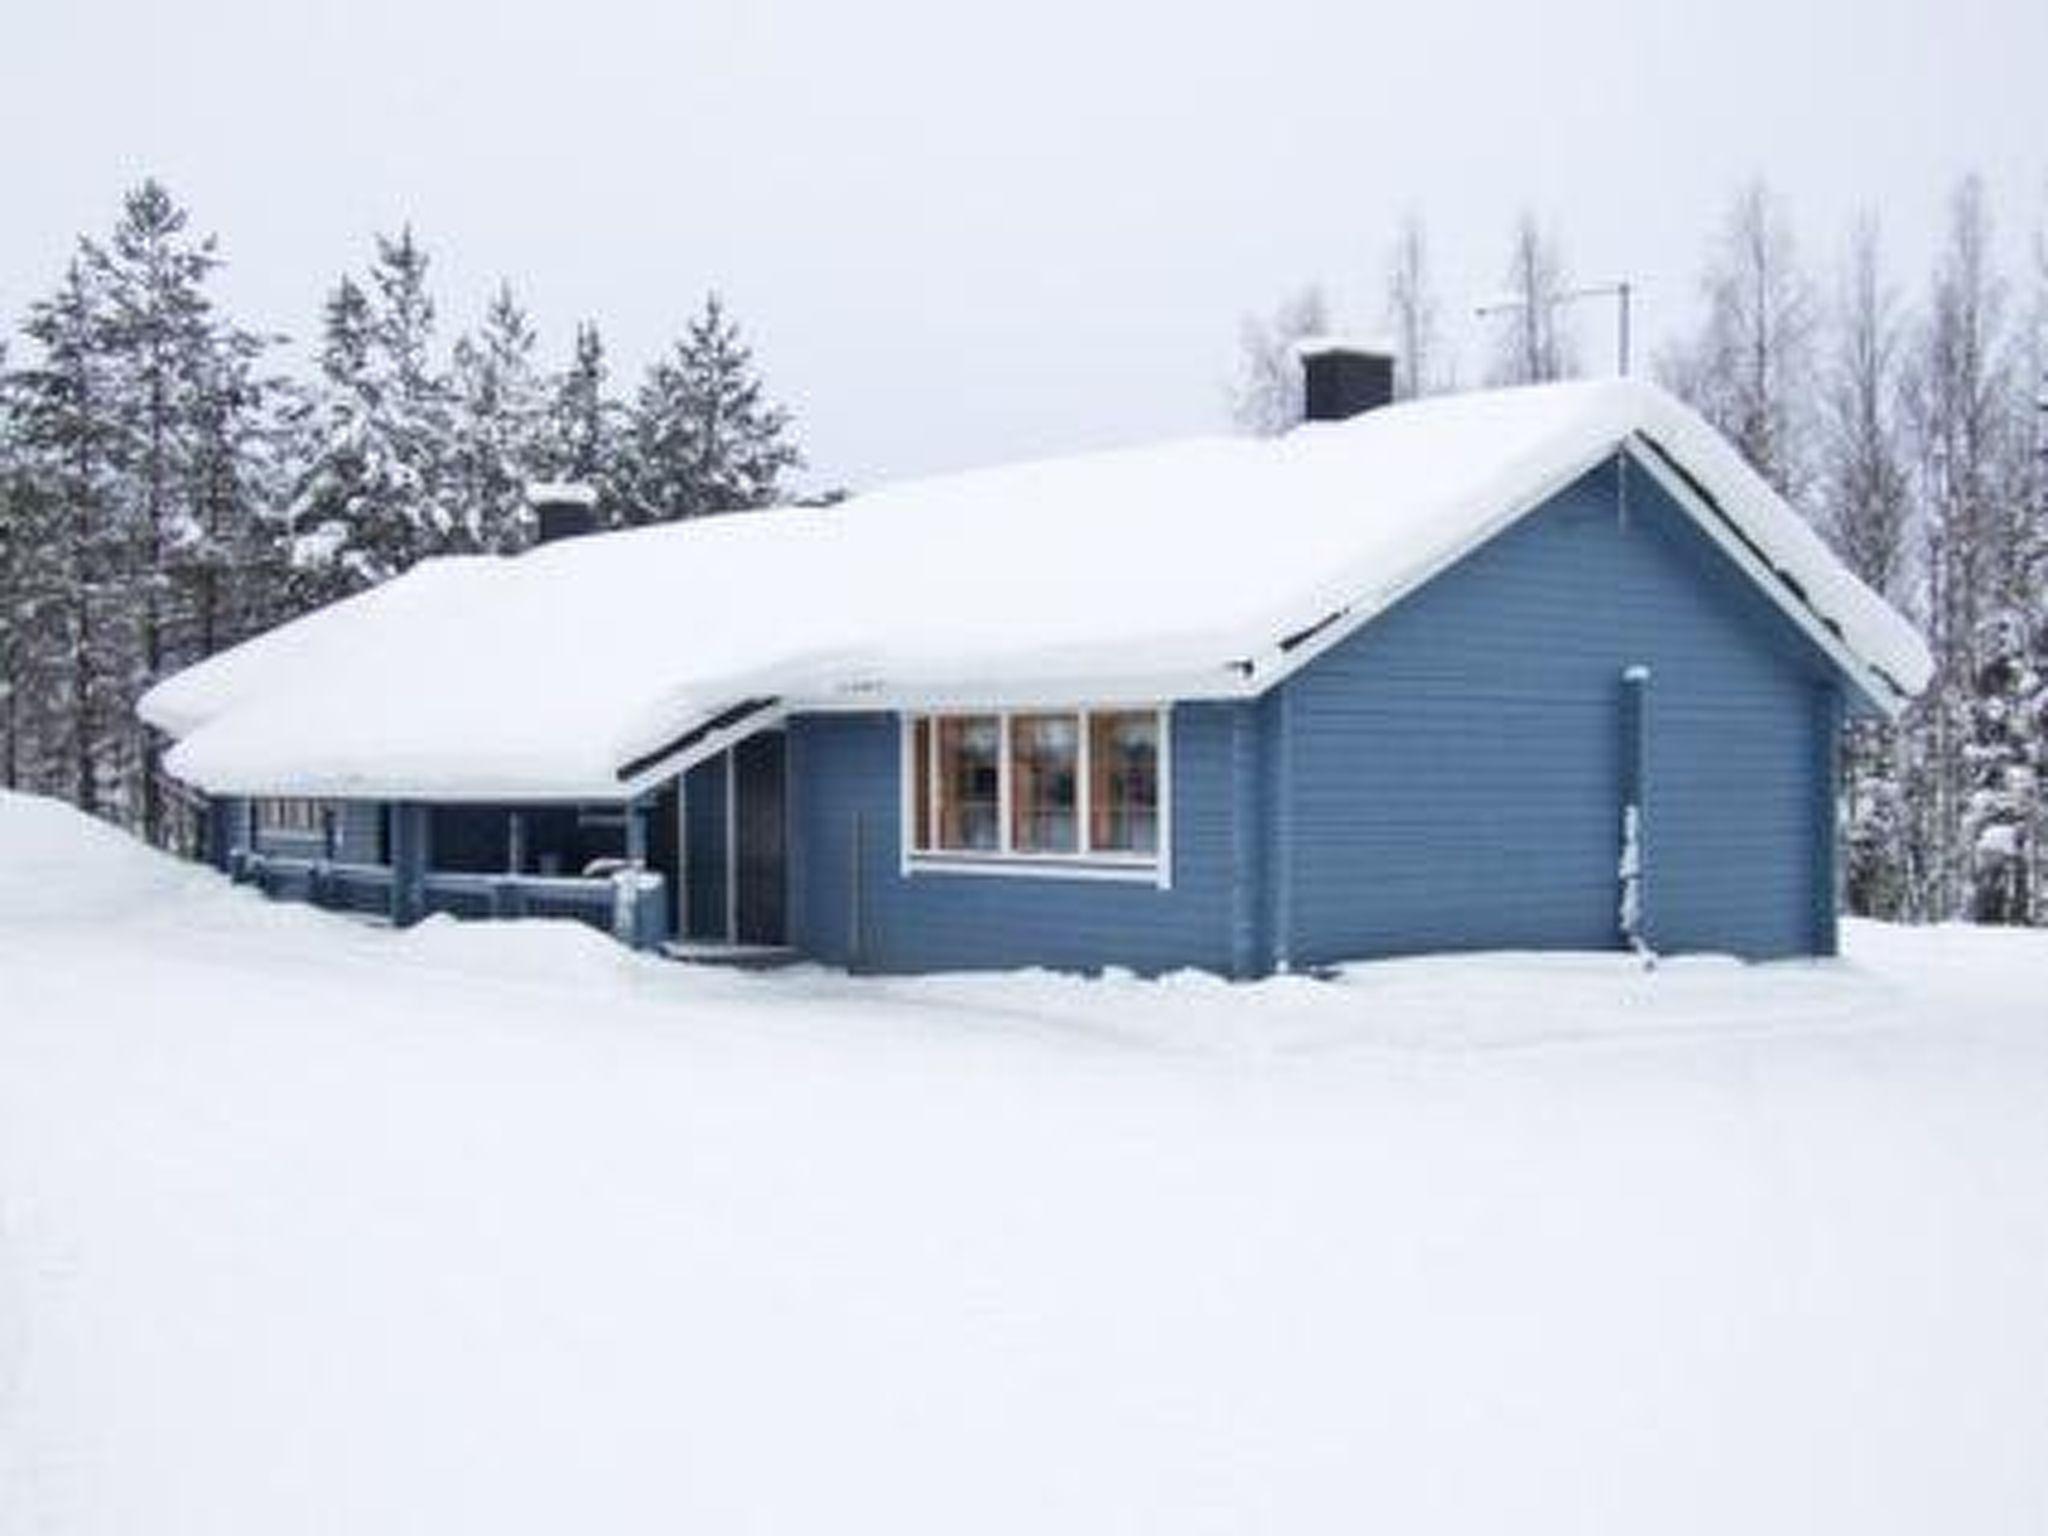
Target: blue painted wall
1449,777
358,834
866,913
1453,770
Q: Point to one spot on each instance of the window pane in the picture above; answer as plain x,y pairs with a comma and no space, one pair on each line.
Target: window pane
921,778
1123,754
970,755
1045,756
294,815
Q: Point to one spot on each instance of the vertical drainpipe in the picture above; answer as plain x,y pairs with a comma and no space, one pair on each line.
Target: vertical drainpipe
1280,866
1244,843
1633,871
1827,810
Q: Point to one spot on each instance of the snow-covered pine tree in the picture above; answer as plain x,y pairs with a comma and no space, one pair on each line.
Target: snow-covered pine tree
704,439
1533,340
499,427
79,651
160,337
1413,314
1265,397
584,430
17,603
234,571
1863,498
417,407
338,490
374,497
1749,369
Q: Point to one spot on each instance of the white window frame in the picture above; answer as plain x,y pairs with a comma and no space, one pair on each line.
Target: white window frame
1155,868
300,816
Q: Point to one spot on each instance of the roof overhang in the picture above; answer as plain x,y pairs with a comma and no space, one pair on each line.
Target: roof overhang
1291,652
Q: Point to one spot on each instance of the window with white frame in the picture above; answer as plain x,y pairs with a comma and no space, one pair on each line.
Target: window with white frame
295,817
1046,788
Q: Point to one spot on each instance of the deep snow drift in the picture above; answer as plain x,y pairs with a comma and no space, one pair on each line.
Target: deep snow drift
310,1226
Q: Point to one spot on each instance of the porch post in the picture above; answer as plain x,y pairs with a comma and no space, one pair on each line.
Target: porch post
408,863
636,834
515,845
221,820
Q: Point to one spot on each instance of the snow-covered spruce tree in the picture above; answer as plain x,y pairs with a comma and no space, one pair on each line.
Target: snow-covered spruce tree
499,438
79,651
703,437
375,495
1749,369
1265,396
582,436
233,573
1412,314
1533,339
1863,500
337,487
417,402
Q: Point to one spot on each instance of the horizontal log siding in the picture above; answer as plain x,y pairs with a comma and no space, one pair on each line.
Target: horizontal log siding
1450,776
844,767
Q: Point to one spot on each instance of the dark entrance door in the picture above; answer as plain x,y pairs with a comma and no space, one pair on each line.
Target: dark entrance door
760,838
664,850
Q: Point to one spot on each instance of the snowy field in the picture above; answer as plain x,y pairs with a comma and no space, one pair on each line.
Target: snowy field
311,1227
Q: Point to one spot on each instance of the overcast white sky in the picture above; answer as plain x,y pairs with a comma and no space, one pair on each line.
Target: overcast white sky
961,233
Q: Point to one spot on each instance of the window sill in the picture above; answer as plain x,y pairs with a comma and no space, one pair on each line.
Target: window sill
1129,871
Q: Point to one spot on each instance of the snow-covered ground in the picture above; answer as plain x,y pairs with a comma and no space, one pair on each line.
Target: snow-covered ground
309,1227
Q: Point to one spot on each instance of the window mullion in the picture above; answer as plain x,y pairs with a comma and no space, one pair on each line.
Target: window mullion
1084,769
932,820
1005,790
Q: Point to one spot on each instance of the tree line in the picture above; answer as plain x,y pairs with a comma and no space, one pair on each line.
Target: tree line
1907,420
168,487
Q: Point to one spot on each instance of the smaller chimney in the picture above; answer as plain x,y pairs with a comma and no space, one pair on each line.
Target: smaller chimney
1340,379
563,509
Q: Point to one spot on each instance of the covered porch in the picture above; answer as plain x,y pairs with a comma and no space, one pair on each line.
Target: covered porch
607,866
695,867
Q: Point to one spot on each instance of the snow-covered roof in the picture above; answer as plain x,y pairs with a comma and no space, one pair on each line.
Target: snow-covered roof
1324,343
1173,571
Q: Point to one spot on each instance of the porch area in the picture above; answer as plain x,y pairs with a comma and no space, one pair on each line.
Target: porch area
694,868
415,860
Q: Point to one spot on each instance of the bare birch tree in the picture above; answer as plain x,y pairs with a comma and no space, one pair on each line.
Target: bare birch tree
1265,397
1533,340
1412,315
1749,369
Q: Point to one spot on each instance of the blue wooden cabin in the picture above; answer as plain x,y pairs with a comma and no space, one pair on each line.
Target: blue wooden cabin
1611,715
